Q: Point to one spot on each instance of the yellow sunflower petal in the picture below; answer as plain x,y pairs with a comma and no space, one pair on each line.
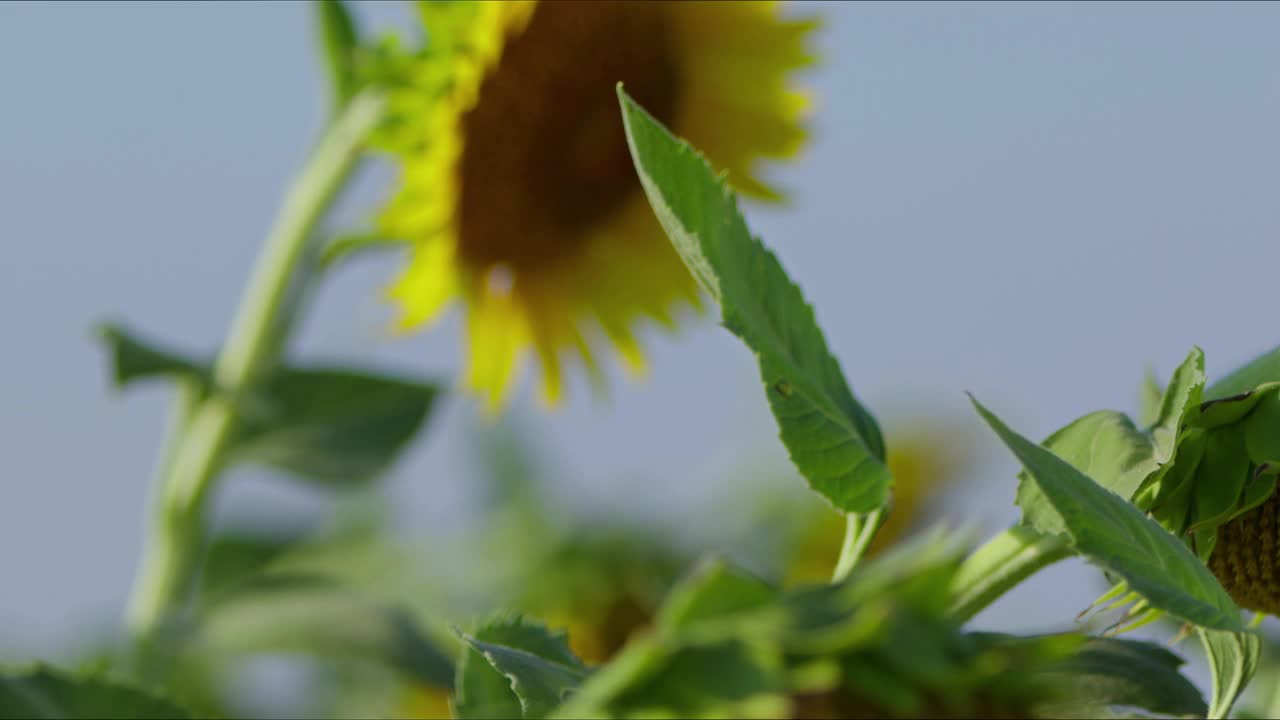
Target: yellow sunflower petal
428,284
497,335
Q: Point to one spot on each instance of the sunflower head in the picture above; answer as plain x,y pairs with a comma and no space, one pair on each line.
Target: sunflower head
517,194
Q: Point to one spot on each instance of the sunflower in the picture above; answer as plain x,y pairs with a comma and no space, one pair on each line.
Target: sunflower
517,192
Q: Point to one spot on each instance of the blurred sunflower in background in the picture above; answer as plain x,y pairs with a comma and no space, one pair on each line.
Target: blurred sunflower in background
517,192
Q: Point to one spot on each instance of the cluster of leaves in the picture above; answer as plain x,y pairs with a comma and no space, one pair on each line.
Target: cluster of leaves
726,644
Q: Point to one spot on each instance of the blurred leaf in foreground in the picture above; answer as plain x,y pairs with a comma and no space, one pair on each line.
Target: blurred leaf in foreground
45,693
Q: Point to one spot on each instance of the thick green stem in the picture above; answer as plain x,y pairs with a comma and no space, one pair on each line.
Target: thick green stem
999,565
859,530
197,449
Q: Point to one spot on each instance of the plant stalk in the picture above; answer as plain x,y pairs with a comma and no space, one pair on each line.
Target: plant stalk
859,530
197,445
999,565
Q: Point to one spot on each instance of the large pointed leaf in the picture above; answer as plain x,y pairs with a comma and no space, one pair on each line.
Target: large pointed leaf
1114,534
1233,659
832,439
40,693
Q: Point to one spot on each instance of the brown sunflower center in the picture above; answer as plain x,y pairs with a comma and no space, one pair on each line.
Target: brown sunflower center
1246,557
546,157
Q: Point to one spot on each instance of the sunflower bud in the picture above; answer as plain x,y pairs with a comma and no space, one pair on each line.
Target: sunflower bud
1228,464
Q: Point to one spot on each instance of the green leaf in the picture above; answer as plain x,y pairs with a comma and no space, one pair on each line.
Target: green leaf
1220,479
1114,534
1262,429
134,359
1233,659
917,575
352,245
832,439
236,555
1263,369
339,40
539,683
713,593
312,615
334,426
1181,397
41,692
1104,445
515,668
733,677
1111,672
1150,398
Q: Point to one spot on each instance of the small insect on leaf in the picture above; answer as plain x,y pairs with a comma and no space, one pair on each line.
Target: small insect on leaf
783,388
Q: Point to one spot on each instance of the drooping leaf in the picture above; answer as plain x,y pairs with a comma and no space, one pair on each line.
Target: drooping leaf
515,668
1233,659
832,439
1108,673
1114,534
1263,369
1104,445
41,692
311,615
333,426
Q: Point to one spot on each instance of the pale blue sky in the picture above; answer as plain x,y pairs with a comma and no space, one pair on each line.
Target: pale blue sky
1028,201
